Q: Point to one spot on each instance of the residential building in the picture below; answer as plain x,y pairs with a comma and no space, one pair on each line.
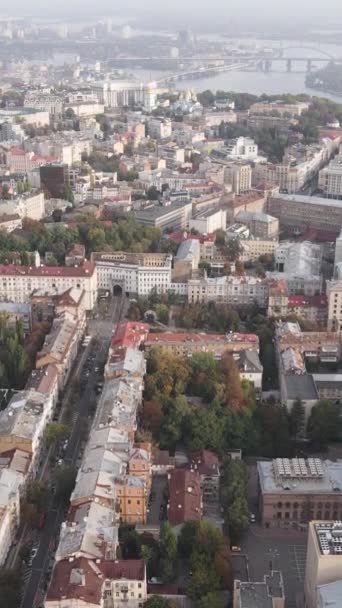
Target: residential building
209,220
17,313
46,304
18,282
237,290
268,593
184,344
310,308
75,256
23,422
186,260
45,102
334,295
207,465
10,222
323,559
252,201
11,483
260,224
86,583
292,492
254,247
299,264
239,176
185,497
250,368
330,178
173,154
239,148
300,213
29,205
280,107
159,128
278,297
61,345
133,273
175,215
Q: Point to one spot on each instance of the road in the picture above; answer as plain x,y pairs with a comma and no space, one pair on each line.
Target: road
101,330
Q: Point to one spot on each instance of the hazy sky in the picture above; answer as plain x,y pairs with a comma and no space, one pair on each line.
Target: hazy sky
213,10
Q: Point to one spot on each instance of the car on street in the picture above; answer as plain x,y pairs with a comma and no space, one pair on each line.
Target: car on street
252,518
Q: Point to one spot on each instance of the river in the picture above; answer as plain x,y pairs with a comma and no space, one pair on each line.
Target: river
256,83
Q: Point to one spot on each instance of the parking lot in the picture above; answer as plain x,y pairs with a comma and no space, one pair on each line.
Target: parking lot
283,550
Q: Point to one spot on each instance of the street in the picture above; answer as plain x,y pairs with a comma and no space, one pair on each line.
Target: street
48,537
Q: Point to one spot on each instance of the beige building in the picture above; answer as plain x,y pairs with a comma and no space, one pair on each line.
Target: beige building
239,176
330,178
238,290
18,282
301,212
184,344
323,558
334,295
260,224
281,107
294,491
254,247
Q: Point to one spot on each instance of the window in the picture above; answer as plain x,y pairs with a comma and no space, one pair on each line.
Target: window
280,504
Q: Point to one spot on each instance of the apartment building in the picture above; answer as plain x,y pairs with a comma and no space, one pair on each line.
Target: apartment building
323,562
133,273
119,93
238,290
299,264
334,295
239,176
45,102
254,247
17,283
330,178
61,345
11,483
260,224
185,496
186,260
207,465
281,107
87,583
294,491
300,213
184,344
29,205
159,128
10,222
23,421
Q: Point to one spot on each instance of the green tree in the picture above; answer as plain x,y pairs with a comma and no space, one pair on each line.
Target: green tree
234,499
233,250
37,494
211,600
56,432
64,477
162,313
168,553
5,193
156,601
10,588
187,537
297,420
324,424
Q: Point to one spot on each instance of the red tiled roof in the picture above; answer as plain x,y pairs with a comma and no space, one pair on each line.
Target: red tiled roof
83,579
86,269
17,152
205,462
317,301
168,336
185,496
130,333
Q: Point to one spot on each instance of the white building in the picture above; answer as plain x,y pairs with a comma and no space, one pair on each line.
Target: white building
242,148
119,93
236,290
159,128
208,221
330,178
133,273
10,484
239,176
18,282
29,205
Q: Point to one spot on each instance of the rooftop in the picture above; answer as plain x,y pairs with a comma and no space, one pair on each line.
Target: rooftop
300,386
330,595
329,537
260,595
310,200
87,269
299,476
185,496
169,337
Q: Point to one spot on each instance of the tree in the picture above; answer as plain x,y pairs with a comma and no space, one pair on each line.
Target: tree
234,499
10,588
168,553
234,394
186,538
64,478
68,194
37,494
220,238
162,313
211,600
297,420
156,601
55,432
233,250
324,423
5,193
57,215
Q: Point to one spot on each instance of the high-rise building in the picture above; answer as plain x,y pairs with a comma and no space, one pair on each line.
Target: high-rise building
323,558
239,176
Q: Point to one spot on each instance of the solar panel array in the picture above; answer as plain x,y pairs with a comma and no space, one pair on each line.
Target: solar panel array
298,468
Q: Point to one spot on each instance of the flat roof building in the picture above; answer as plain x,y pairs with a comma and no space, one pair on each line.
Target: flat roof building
323,563
268,593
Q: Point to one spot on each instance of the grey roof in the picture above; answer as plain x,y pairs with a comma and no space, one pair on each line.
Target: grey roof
300,386
188,249
328,380
329,483
260,595
158,211
310,200
330,595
